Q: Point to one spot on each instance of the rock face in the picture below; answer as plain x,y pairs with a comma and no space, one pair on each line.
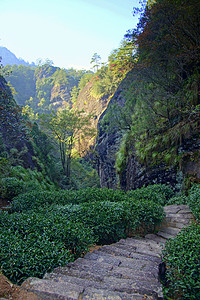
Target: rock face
108,142
13,131
92,106
128,269
135,174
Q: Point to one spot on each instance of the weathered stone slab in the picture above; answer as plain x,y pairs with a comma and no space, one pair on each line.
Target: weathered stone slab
177,224
137,285
177,209
165,235
136,256
140,260
155,238
180,216
115,251
141,242
97,294
51,290
141,248
172,209
171,230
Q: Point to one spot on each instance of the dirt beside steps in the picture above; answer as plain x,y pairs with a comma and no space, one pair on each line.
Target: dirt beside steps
125,270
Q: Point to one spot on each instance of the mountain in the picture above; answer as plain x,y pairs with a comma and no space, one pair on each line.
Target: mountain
43,87
9,58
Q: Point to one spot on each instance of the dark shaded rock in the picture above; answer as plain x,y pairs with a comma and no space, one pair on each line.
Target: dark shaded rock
13,129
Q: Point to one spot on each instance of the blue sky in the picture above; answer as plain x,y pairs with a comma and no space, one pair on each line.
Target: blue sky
68,32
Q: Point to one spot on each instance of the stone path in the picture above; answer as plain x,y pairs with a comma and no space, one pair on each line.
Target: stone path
125,270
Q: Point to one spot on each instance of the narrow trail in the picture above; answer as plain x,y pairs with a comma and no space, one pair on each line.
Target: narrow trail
127,269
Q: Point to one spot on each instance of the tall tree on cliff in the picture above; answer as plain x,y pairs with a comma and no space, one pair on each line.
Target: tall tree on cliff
66,125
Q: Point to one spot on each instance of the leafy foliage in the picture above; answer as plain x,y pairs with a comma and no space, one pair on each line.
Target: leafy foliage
181,256
158,193
161,91
36,199
194,200
21,181
49,229
32,244
41,88
66,126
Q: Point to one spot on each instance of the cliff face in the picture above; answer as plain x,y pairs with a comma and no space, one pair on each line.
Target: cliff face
93,106
108,142
14,135
136,174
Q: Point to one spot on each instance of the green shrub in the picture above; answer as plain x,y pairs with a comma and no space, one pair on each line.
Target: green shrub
22,181
159,193
36,199
177,200
194,200
11,187
33,176
142,216
111,221
5,167
32,255
104,218
182,259
34,243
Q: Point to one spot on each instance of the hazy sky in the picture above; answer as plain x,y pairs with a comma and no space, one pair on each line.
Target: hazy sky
68,32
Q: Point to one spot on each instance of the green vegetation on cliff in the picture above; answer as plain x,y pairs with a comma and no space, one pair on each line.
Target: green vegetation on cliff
161,91
42,88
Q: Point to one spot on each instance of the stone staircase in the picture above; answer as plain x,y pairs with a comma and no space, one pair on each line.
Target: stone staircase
128,269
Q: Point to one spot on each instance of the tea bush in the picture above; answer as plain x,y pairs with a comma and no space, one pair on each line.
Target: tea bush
11,187
32,255
182,259
111,221
38,198
69,222
159,193
104,218
35,199
34,243
177,200
194,200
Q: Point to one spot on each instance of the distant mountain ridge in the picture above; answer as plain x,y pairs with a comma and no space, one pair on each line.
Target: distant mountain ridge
9,58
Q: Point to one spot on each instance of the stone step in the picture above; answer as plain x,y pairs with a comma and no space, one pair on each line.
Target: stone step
121,250
171,230
128,254
144,261
176,224
155,238
141,243
174,209
180,216
165,235
140,247
52,290
92,269
97,294
133,285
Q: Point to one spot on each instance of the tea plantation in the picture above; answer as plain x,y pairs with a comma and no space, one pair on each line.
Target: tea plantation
45,229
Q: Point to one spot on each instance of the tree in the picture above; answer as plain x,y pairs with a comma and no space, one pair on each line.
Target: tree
96,60
66,125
